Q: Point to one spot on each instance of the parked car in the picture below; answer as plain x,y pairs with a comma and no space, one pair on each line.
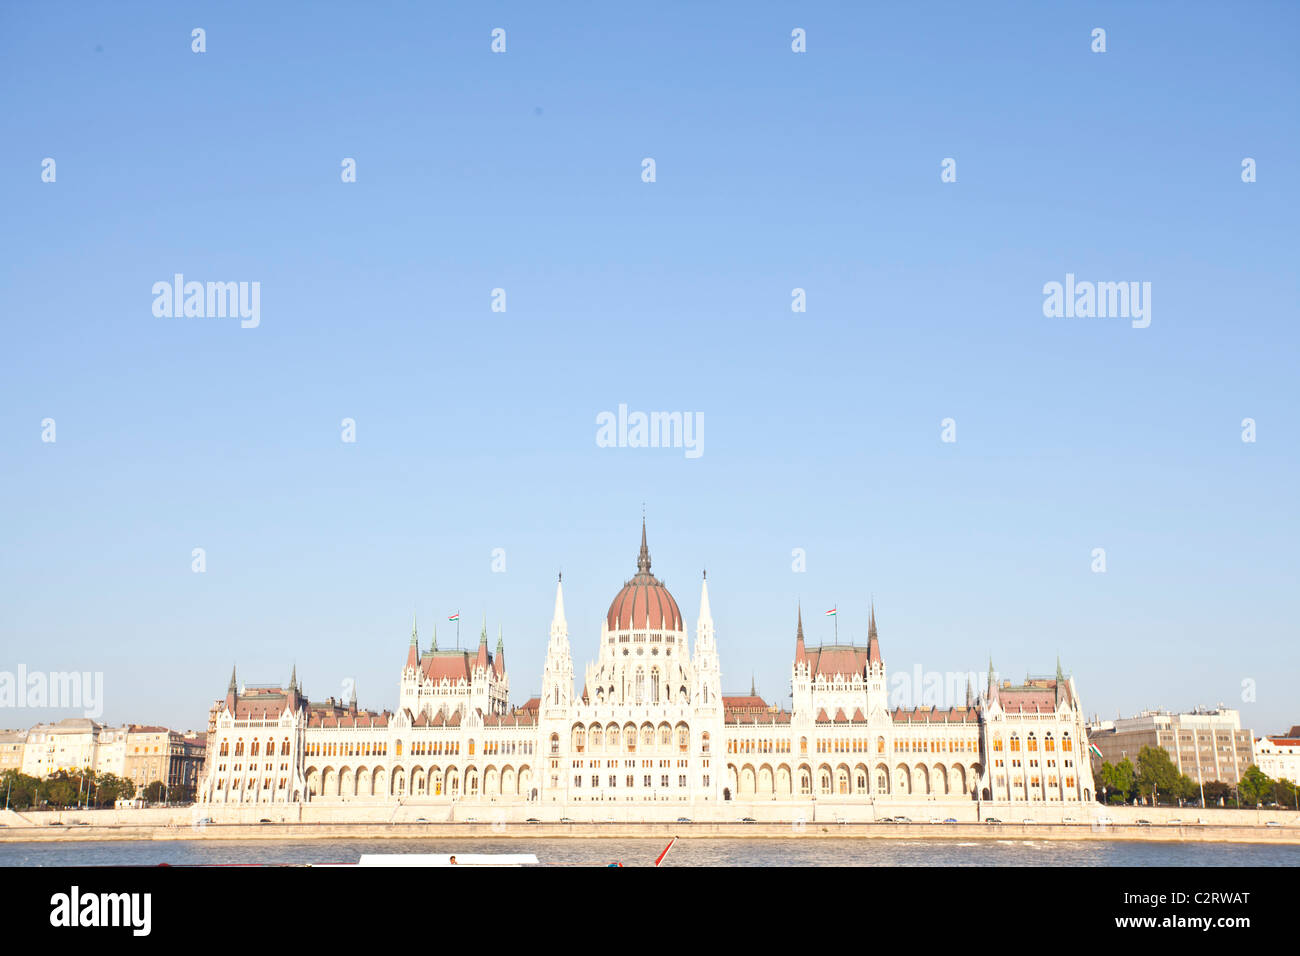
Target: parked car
421,820
532,820
1271,823
683,819
934,819
471,819
1144,823
748,820
902,819
992,820
565,820
264,820
1027,820
204,821
951,820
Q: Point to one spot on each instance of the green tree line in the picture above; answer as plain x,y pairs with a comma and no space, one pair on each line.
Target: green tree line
1156,780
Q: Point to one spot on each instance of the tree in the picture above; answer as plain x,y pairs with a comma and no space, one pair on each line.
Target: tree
1217,792
1285,794
1124,780
1156,772
19,788
153,793
1255,786
1185,788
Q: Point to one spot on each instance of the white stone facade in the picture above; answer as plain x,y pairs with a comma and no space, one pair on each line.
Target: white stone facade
649,733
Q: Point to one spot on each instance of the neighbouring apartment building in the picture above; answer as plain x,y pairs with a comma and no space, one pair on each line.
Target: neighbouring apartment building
11,749
1279,756
1203,744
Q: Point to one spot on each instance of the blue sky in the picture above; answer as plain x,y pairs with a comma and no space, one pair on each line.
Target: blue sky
476,430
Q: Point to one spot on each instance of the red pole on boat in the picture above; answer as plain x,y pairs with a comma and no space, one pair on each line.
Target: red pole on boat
665,852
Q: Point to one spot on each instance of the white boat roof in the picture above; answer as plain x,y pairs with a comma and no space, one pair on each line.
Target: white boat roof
444,859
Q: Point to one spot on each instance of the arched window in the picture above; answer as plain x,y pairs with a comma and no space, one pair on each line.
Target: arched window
880,745
1015,743
252,751
704,741
1032,744
579,739
683,739
597,738
803,746
640,686
555,745
239,747
1066,744
805,783
1048,743
225,748
654,686
647,737
284,749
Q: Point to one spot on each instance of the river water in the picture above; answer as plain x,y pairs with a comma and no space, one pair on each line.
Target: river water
687,852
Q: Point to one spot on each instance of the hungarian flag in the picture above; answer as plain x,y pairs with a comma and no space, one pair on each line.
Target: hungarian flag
1093,748
455,617
831,612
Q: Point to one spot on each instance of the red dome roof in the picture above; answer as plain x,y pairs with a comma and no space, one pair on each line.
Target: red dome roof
644,596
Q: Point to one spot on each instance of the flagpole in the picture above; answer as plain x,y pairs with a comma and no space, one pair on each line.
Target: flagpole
837,622
457,628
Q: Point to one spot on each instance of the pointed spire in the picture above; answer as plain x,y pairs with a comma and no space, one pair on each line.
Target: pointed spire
706,613
873,641
970,691
753,687
293,678
352,702
558,624
234,687
435,637
798,637
414,632
500,641
643,559
482,634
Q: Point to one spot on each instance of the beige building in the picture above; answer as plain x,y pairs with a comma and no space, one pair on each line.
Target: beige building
11,749
1203,744
163,755
148,755
70,744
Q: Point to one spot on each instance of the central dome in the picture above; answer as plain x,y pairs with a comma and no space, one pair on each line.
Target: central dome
642,598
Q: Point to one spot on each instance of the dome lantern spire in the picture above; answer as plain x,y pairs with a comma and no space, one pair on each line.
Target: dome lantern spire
643,559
